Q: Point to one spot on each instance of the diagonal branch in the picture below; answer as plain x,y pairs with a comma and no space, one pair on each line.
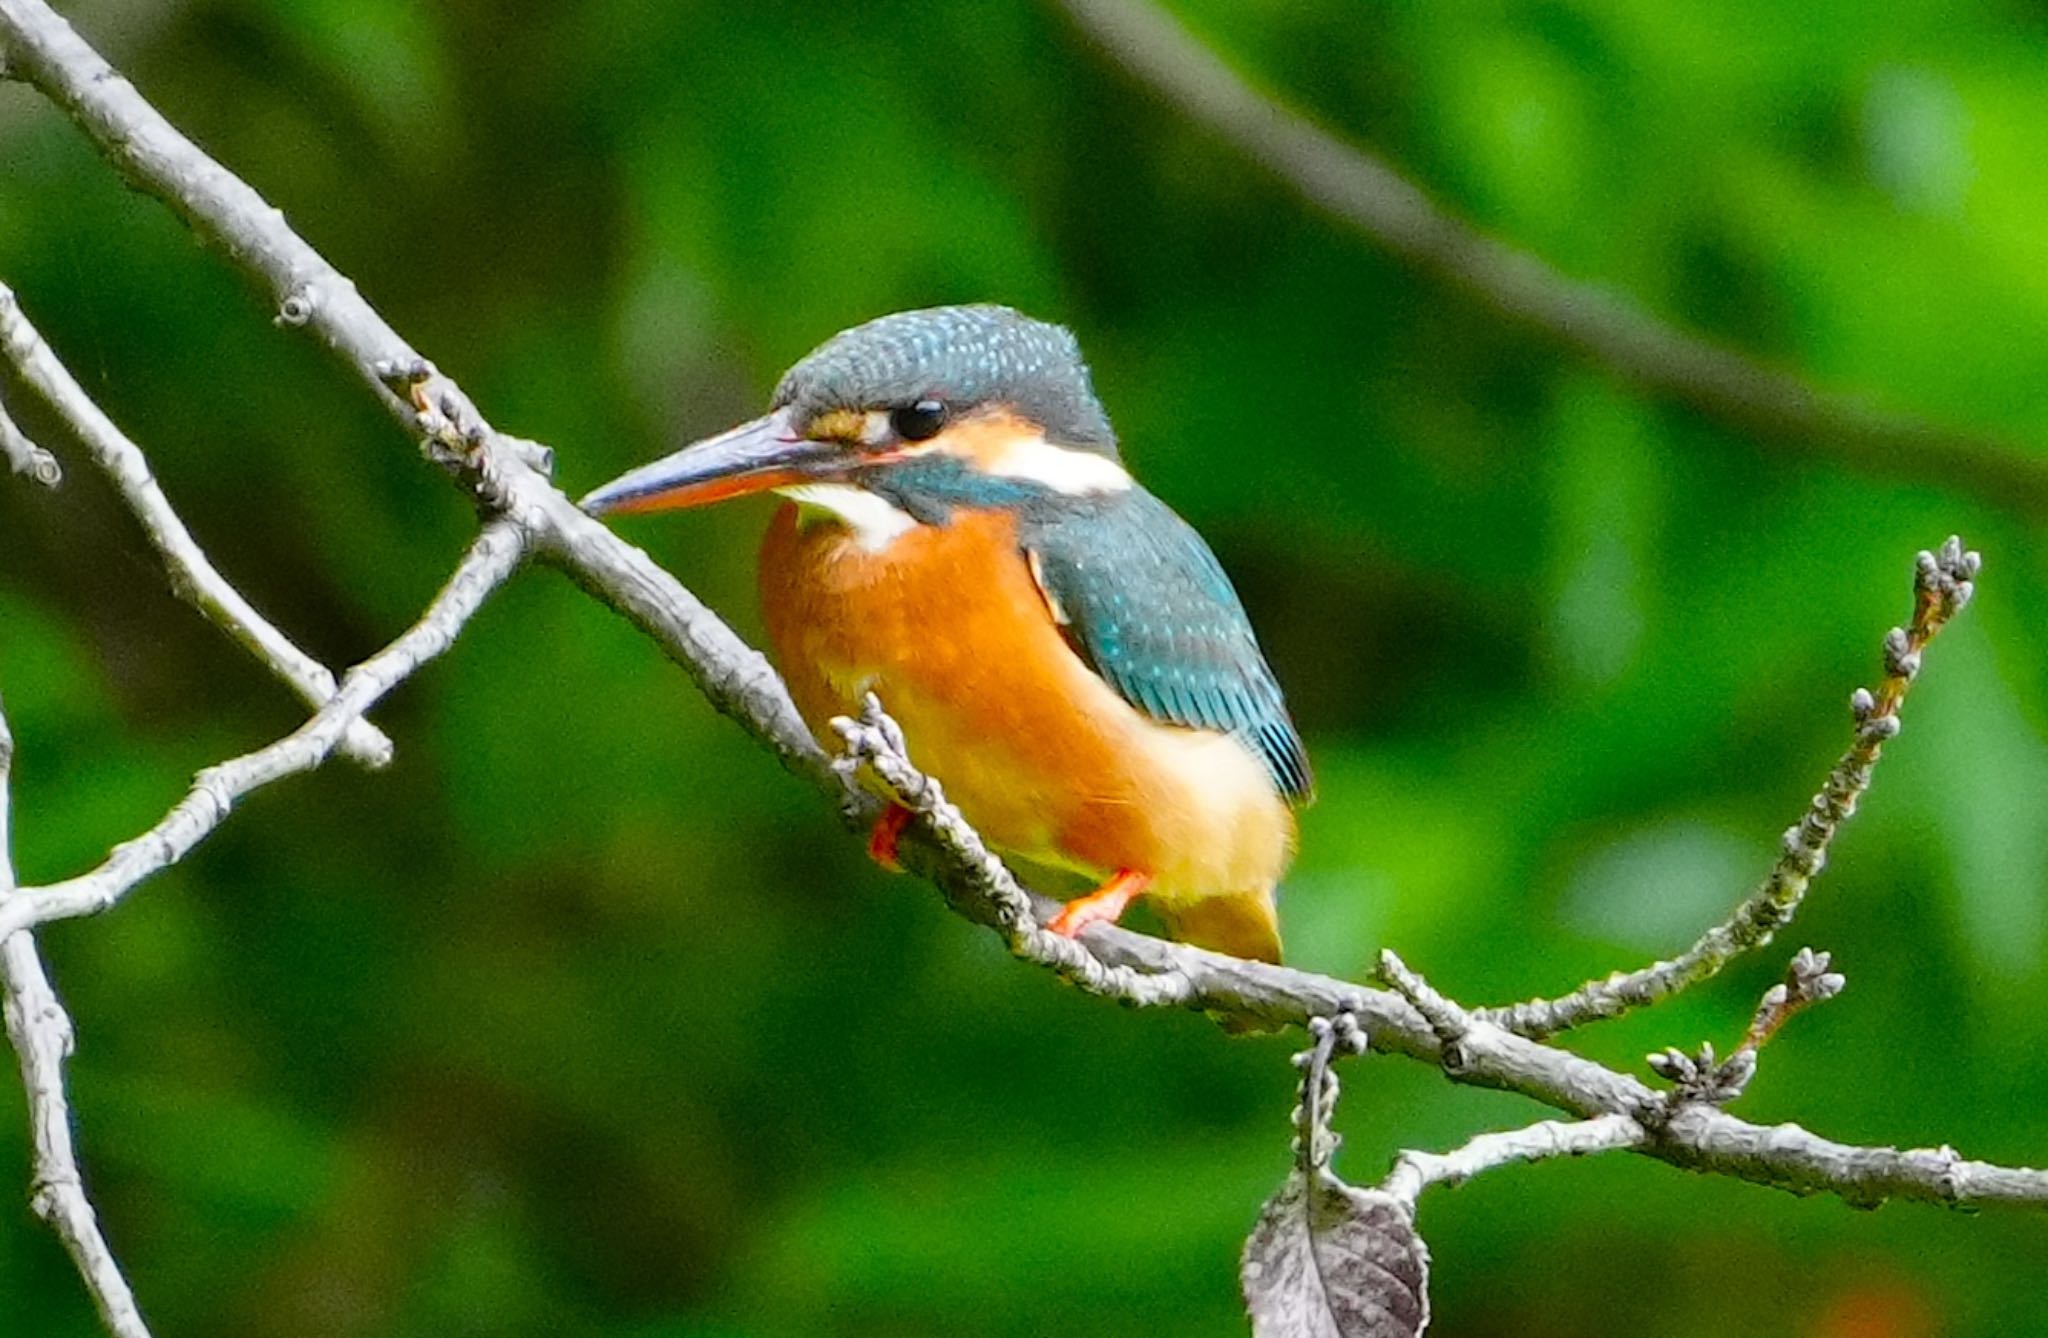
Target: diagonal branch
1942,584
41,1032
494,556
1594,321
193,575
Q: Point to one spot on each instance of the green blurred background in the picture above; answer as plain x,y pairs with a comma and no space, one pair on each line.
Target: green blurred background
585,1019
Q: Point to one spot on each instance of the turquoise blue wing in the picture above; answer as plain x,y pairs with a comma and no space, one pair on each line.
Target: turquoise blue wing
1144,602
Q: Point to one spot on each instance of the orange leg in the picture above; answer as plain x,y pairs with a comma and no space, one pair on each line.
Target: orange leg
888,830
1102,906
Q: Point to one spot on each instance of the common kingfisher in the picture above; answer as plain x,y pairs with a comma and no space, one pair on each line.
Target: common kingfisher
1065,655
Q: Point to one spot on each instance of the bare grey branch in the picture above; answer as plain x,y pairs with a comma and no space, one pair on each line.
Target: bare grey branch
1415,1172
1449,1020
1701,1138
1314,1142
41,1032
1483,1053
1943,582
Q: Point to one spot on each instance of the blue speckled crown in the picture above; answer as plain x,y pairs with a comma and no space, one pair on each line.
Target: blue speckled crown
962,356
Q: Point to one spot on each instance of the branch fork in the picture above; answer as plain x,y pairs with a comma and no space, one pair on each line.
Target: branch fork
1943,582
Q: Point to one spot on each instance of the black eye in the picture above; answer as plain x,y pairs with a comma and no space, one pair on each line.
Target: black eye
917,422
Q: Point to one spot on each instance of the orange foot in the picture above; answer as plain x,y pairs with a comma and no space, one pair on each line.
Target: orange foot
1102,906
888,831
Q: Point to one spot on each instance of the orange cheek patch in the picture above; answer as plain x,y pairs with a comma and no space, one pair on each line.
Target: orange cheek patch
985,438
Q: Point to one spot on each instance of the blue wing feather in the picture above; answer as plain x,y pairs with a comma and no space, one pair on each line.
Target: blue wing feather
1150,609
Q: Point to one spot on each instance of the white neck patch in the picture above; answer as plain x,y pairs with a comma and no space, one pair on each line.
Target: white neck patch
875,522
1061,468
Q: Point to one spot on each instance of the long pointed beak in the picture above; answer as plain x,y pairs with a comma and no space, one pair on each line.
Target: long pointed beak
753,457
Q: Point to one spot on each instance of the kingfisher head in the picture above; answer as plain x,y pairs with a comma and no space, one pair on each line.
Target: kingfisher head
901,420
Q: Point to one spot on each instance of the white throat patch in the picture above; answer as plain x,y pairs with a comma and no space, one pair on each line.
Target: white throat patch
874,521
1061,468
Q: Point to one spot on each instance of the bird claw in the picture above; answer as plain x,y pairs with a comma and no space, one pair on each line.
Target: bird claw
888,832
1105,905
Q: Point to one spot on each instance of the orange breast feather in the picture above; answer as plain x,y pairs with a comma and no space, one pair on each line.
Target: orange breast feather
946,625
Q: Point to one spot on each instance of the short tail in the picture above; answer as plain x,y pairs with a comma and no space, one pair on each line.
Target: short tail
1243,924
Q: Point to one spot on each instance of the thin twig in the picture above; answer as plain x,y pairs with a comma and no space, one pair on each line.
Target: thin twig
493,557
1701,1077
193,575
1416,1171
1593,320
1810,979
1942,584
1315,1142
1449,1020
24,457
42,1035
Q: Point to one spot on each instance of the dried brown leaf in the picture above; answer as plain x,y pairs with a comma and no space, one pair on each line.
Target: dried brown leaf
1327,1260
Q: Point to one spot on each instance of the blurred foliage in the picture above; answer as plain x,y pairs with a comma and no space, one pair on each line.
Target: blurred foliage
584,1020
